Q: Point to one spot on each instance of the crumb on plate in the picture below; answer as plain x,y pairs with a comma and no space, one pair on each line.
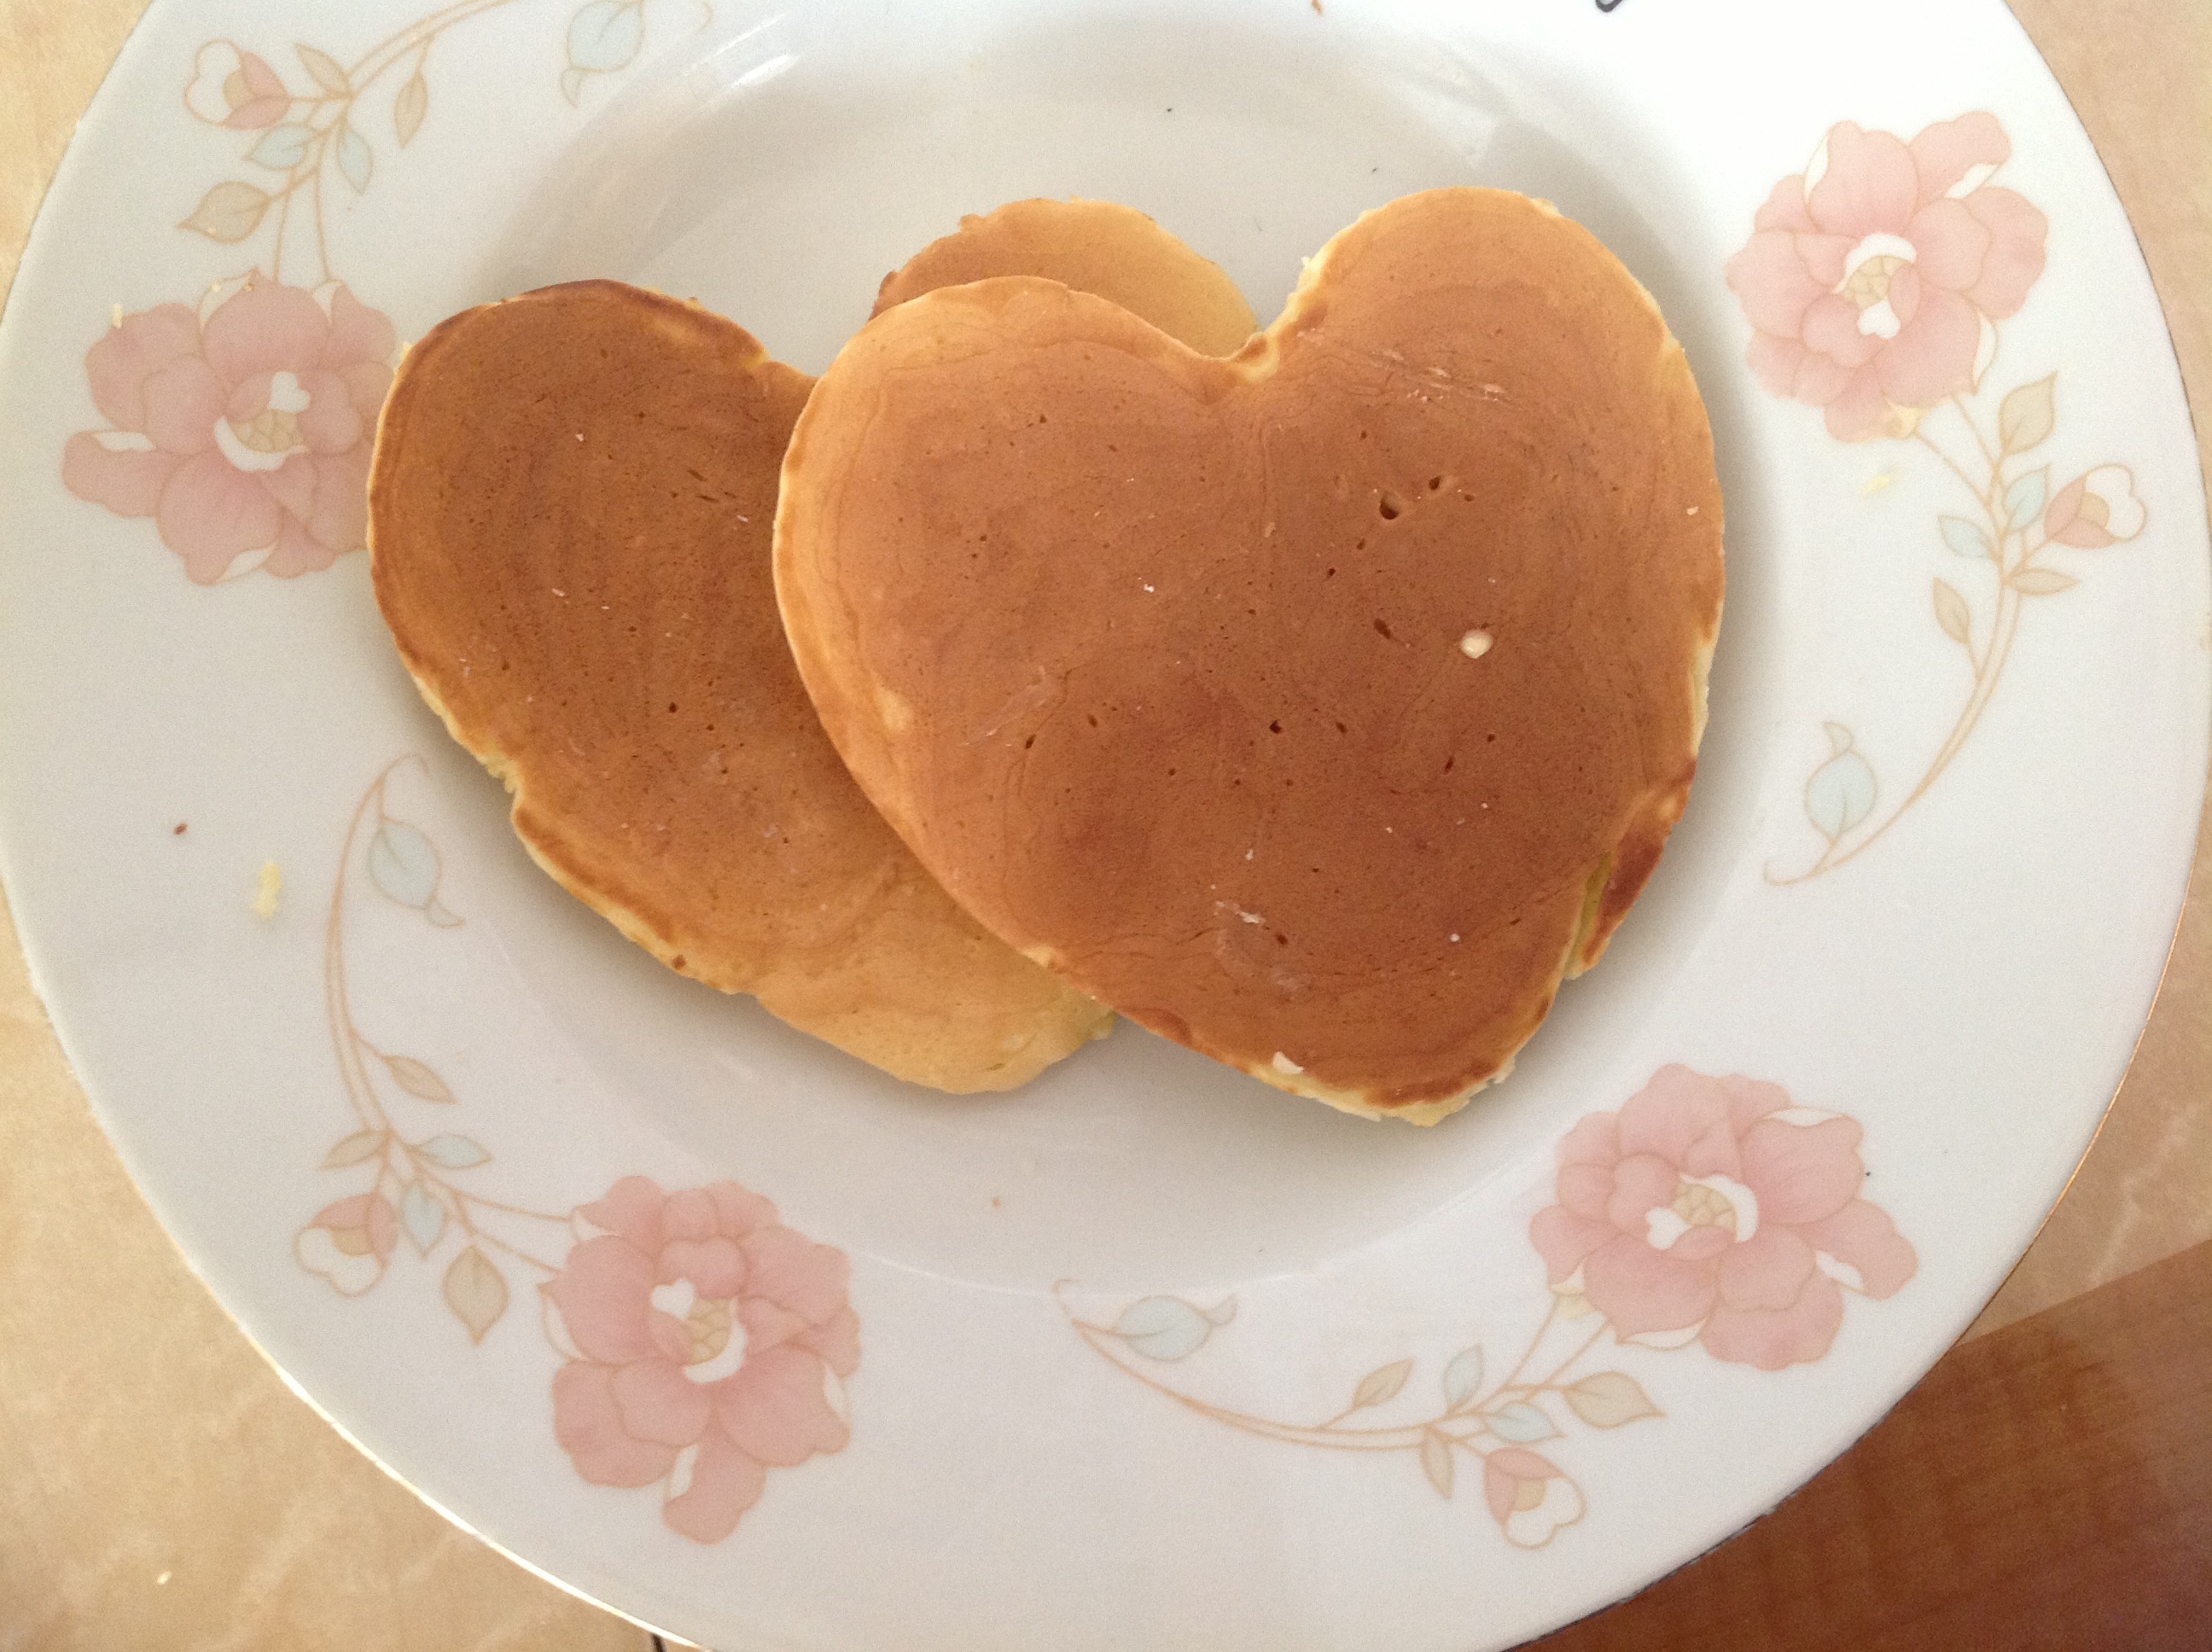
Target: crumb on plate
271,886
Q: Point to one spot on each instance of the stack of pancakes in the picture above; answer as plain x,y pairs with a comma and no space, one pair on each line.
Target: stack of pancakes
1318,697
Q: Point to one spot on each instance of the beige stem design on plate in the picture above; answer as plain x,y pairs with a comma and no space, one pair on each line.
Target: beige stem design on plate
2012,531
1497,1420
400,1163
302,133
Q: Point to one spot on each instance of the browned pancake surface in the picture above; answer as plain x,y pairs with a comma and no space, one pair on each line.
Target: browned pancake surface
1320,707
1094,246
571,506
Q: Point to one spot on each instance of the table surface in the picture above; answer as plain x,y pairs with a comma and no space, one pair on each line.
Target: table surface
160,1487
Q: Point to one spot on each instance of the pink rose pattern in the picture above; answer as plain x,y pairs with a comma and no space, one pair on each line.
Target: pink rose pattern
1874,282
236,88
1874,277
1713,1206
243,428
704,1342
1530,1497
349,1242
707,1343
1706,1210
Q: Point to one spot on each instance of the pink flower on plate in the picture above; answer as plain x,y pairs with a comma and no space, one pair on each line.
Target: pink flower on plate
2095,510
707,1344
1874,277
243,428
1714,1208
234,88
1530,1498
349,1242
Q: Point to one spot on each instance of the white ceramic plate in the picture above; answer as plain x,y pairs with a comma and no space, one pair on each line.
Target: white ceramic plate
1146,1355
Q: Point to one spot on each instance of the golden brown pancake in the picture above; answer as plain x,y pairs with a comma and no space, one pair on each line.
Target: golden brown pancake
1320,707
1094,246
570,511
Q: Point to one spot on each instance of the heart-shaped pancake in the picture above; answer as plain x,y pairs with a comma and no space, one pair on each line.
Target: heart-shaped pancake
1322,707
570,504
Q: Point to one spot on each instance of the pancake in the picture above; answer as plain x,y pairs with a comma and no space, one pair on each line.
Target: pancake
570,509
1094,246
1320,707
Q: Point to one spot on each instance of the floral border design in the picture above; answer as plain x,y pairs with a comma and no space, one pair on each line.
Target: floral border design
700,1340
242,424
703,1341
1874,282
1712,1210
305,133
